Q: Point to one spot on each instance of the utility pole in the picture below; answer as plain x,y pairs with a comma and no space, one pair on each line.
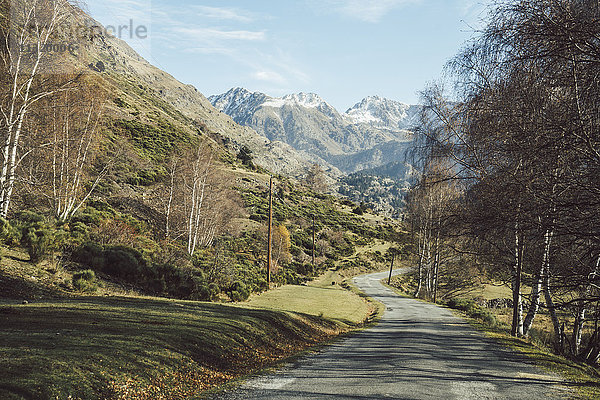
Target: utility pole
270,235
313,246
391,268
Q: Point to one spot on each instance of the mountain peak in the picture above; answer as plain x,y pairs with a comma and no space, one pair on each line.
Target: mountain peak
306,100
379,111
237,101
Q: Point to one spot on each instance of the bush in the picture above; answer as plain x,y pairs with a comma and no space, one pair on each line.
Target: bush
238,291
124,262
39,242
85,281
8,233
119,261
473,310
90,254
207,292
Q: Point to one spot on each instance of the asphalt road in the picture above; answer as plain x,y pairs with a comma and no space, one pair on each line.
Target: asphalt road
416,351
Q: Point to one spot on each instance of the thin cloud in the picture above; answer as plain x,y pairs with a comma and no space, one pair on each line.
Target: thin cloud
218,13
139,11
367,11
209,34
269,76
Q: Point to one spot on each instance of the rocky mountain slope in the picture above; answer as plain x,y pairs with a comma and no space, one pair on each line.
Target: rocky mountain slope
370,134
138,78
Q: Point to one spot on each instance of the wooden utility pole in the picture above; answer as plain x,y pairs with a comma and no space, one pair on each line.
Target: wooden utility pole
313,246
270,235
391,268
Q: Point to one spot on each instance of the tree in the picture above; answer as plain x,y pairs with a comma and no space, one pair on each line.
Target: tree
194,197
281,246
74,117
521,136
315,179
27,28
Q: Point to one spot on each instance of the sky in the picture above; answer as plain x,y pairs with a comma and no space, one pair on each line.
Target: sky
343,50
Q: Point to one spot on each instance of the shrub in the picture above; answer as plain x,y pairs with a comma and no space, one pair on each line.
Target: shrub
85,281
39,242
118,261
123,262
473,310
90,254
8,233
238,291
86,275
214,288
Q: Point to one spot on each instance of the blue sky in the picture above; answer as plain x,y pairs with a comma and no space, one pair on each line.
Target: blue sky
343,50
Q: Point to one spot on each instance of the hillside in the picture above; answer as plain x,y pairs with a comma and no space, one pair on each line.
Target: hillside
145,90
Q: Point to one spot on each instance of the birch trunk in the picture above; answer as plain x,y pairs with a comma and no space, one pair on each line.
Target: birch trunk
536,289
420,263
578,328
517,322
558,331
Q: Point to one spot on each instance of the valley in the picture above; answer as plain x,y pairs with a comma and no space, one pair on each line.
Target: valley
167,240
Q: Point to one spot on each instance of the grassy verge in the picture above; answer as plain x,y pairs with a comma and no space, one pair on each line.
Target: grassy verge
331,303
583,379
150,348
140,348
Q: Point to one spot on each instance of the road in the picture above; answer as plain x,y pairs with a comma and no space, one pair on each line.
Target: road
416,351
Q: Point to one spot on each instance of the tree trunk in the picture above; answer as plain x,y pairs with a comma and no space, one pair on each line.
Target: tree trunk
536,289
436,266
552,311
578,328
517,321
420,263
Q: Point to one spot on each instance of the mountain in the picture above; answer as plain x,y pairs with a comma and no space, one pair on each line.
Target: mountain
383,188
383,113
372,133
141,79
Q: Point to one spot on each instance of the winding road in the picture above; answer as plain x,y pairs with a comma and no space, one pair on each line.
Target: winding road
416,351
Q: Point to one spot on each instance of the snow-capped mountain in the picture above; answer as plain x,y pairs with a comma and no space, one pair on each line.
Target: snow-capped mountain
383,113
370,134
239,104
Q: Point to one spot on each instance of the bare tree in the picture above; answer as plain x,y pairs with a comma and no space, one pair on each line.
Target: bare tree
27,29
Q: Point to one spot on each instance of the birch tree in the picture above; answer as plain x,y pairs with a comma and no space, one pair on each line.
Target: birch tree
73,150
197,186
27,29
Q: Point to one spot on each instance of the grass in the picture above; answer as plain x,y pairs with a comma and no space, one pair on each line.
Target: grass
582,378
141,348
491,291
330,302
151,348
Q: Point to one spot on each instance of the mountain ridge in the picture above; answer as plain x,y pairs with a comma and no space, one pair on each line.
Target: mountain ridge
318,130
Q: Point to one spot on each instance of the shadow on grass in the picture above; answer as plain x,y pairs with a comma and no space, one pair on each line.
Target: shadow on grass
18,288
82,347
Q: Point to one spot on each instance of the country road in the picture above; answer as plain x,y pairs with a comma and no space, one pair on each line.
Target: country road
416,351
